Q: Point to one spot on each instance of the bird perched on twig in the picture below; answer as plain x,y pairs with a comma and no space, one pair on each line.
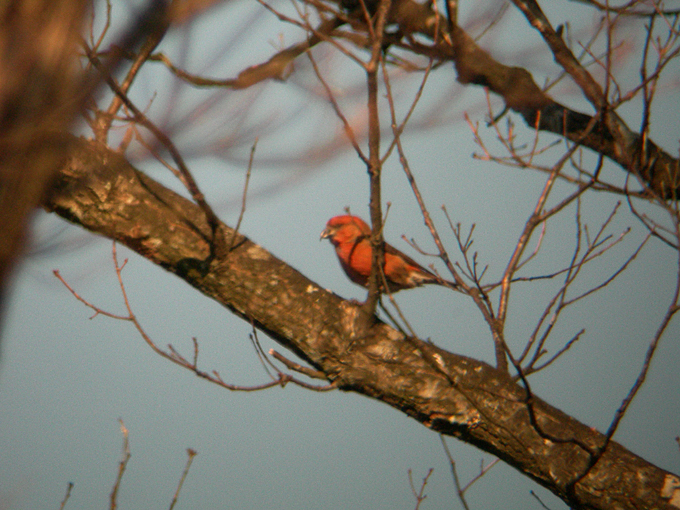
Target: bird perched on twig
351,237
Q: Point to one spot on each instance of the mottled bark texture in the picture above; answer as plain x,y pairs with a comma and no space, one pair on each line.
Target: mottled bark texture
99,190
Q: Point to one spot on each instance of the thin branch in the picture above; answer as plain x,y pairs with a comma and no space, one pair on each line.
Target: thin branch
482,471
69,487
420,494
627,9
122,465
156,33
264,360
672,309
567,346
278,66
107,24
349,132
562,53
374,166
187,178
454,473
97,311
190,458
535,496
309,372
172,355
615,274
243,197
460,490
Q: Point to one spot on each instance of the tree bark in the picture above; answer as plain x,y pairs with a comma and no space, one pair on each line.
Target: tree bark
458,396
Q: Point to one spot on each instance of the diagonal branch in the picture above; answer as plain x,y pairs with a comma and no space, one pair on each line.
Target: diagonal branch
451,394
609,136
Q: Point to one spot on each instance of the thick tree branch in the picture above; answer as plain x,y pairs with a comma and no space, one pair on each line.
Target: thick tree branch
608,135
641,157
448,393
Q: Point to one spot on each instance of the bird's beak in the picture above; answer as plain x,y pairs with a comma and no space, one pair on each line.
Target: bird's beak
326,233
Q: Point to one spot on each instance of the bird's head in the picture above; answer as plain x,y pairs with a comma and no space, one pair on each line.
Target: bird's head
345,228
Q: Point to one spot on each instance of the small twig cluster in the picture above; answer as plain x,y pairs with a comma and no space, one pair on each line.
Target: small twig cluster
460,489
278,378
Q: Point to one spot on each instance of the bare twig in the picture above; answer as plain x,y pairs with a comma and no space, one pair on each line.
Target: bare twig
559,353
420,494
349,132
535,496
104,120
191,453
309,372
69,487
264,360
122,465
559,302
460,490
107,24
374,166
186,177
276,67
454,473
243,197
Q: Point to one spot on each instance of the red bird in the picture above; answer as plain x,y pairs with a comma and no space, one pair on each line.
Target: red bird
351,237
